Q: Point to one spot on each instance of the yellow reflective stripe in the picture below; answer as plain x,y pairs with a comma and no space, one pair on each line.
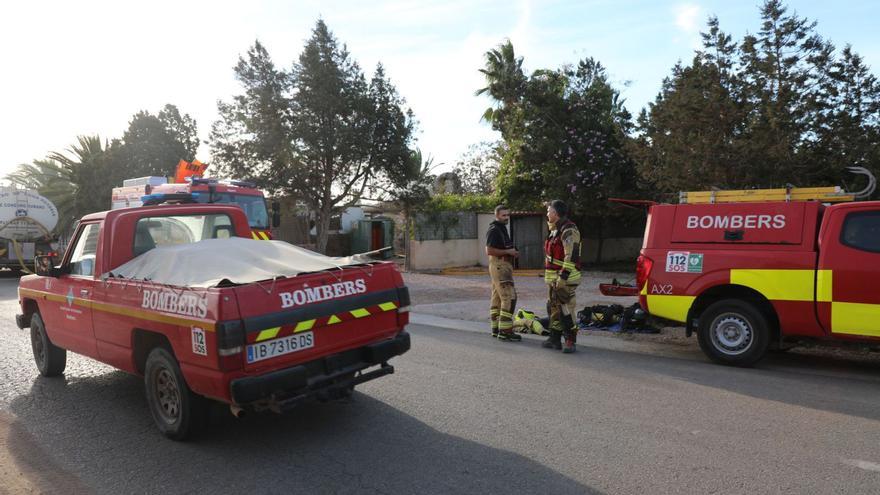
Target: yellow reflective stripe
777,285
304,325
333,320
574,275
568,265
254,236
359,313
855,319
268,333
493,311
263,235
823,285
644,291
670,307
505,325
388,306
550,275
505,314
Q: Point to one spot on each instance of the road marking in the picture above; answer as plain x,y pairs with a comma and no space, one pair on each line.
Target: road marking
866,465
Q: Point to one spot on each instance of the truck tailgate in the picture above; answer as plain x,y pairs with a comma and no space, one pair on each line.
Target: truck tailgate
299,319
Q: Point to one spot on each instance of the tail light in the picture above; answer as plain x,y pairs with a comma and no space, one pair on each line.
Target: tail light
230,342
643,270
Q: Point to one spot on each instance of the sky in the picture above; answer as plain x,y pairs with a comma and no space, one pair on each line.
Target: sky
79,67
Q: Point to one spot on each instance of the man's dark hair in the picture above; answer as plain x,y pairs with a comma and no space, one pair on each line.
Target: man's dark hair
501,208
560,207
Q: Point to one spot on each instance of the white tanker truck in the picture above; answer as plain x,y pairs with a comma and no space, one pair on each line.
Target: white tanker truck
26,223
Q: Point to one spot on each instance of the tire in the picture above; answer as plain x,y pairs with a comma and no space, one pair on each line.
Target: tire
50,359
176,410
733,332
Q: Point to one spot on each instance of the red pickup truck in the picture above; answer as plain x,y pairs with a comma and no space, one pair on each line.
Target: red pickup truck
748,275
262,345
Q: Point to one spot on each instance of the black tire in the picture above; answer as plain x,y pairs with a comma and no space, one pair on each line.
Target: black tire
177,411
51,359
733,332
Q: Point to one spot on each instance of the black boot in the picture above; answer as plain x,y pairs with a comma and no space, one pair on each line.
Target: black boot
509,336
554,341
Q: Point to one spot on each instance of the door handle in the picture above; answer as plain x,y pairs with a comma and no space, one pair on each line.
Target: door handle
83,292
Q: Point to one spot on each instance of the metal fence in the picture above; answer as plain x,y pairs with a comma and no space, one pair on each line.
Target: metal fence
445,226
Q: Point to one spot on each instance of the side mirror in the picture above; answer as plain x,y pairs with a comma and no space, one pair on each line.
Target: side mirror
276,214
44,266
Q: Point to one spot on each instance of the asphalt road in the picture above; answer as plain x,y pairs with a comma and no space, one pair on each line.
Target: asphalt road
466,414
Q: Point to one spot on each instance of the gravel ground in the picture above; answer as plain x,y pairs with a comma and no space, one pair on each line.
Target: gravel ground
466,297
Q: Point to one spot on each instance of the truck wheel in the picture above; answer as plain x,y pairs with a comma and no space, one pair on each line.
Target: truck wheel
733,332
177,411
51,359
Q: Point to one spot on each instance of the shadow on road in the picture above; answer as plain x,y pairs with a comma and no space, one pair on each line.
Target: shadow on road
99,428
826,383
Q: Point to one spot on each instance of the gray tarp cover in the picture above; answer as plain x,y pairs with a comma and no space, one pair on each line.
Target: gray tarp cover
238,260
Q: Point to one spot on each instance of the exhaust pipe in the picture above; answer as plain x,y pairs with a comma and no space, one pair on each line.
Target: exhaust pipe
236,411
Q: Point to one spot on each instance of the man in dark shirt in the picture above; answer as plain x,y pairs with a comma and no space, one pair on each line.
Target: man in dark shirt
499,247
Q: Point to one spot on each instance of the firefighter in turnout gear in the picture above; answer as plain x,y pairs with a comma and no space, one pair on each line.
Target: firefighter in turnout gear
499,247
562,273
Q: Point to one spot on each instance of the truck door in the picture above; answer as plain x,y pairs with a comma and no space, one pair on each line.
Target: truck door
72,328
847,294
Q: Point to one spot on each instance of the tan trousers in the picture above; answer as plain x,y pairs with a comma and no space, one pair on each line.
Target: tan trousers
503,295
561,302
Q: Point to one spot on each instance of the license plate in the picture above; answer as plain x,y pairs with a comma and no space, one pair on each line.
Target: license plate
279,347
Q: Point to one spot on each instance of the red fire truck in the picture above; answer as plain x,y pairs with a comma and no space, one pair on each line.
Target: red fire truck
746,270
203,190
265,344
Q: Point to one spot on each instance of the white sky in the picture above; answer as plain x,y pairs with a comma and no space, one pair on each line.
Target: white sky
85,67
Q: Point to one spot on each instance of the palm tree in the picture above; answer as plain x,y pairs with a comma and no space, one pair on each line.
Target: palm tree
504,78
78,181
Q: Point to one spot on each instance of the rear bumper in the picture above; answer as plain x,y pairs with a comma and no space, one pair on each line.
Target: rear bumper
326,377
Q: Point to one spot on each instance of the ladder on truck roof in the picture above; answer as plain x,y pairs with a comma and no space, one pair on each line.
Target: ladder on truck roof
829,194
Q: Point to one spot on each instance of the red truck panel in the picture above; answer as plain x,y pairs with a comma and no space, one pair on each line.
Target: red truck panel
740,223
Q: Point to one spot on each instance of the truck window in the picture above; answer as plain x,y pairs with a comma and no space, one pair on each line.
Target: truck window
861,230
254,207
151,232
82,261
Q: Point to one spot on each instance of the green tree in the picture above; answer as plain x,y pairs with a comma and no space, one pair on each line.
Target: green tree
478,167
154,144
320,132
505,83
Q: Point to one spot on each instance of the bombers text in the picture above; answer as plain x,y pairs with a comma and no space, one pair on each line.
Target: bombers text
736,222
173,302
308,295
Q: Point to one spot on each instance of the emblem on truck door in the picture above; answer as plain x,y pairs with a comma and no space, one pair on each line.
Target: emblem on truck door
308,295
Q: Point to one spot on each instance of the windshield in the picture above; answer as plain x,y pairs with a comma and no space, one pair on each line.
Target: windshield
254,207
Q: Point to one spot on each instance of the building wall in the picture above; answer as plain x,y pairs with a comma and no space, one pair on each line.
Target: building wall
436,255
617,249
483,221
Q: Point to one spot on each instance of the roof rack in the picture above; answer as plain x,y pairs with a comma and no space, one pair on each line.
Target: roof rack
829,194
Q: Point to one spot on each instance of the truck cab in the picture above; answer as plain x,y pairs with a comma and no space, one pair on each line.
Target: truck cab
204,190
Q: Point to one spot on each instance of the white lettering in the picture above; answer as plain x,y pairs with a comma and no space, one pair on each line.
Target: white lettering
309,295
779,222
736,222
706,222
286,299
172,302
